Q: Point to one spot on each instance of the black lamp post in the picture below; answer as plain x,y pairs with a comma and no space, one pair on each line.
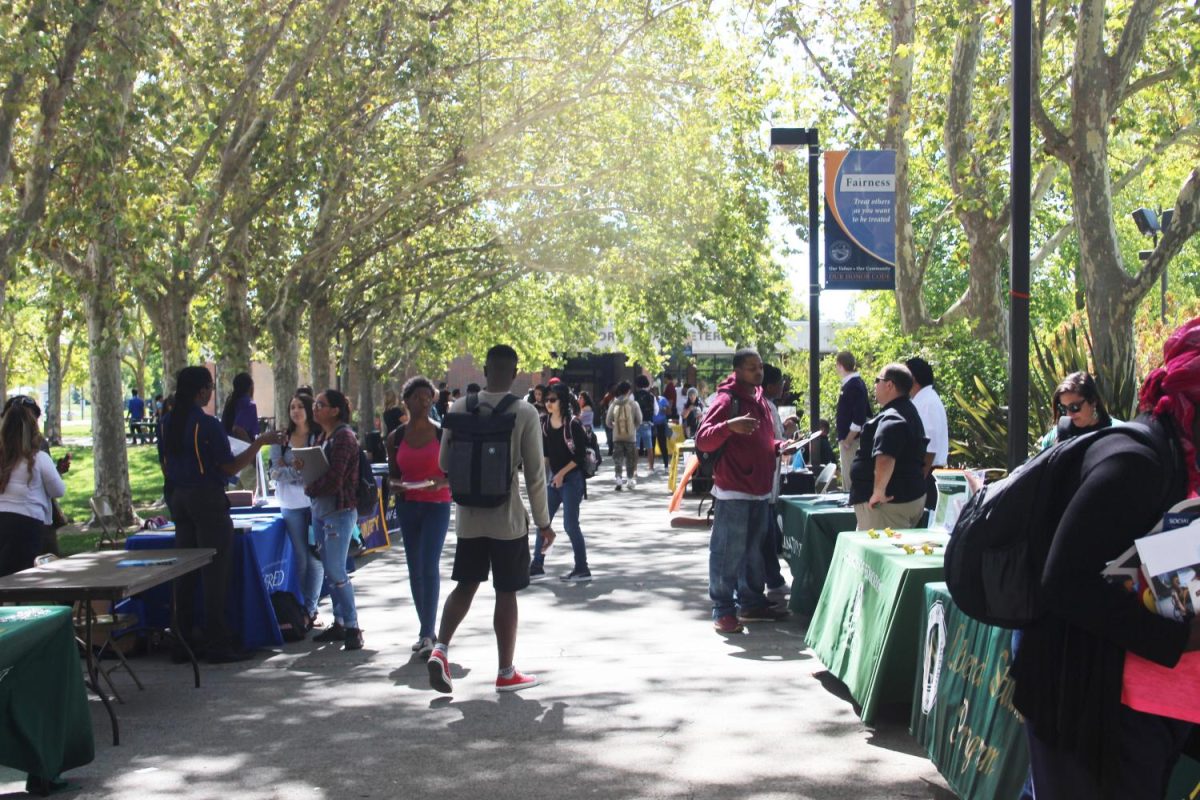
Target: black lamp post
1020,182
1152,224
786,139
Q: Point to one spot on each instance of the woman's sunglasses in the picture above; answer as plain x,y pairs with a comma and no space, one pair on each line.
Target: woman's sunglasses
1072,408
550,400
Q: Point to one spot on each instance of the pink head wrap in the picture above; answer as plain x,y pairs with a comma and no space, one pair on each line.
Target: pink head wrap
1174,389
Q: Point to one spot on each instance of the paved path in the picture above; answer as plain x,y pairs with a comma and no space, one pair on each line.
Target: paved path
641,699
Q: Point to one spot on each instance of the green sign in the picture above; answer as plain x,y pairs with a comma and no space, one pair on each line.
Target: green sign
963,714
810,530
865,627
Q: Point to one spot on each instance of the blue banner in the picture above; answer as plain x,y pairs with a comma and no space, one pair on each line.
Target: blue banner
373,527
860,219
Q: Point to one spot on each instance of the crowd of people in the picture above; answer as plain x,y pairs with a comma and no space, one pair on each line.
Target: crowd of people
890,437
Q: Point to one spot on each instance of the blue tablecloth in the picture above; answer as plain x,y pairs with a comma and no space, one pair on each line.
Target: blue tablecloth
262,563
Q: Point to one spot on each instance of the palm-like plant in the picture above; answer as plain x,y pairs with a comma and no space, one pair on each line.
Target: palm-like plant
1068,350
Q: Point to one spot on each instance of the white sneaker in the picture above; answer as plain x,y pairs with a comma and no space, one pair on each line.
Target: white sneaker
632,484
620,484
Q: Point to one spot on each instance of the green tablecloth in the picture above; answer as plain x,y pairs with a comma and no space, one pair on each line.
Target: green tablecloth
810,530
865,626
962,705
46,724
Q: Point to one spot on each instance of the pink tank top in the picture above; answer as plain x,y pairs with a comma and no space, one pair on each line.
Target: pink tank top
419,464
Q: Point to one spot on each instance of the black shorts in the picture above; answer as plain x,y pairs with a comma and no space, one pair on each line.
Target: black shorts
508,560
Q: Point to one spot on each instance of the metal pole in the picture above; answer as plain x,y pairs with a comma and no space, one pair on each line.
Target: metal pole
1162,295
814,285
1018,354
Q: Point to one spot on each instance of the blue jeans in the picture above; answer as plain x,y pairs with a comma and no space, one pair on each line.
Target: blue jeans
334,532
310,572
645,436
771,545
570,496
424,527
735,563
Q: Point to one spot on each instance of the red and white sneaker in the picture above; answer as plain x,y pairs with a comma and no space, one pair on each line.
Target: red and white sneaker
439,672
516,682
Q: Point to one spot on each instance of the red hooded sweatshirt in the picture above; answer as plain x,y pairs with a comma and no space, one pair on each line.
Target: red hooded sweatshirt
749,460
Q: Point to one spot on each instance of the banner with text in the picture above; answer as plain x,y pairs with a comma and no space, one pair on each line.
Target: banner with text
963,714
860,219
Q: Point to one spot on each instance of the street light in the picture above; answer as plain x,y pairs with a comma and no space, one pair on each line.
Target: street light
1152,224
786,140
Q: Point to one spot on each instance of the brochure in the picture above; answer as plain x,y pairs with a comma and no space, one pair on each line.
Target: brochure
145,562
1168,583
1171,566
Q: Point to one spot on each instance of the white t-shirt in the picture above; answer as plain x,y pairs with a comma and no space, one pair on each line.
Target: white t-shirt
289,483
29,491
933,417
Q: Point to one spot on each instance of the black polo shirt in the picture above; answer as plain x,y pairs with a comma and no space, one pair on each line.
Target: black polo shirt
205,450
895,431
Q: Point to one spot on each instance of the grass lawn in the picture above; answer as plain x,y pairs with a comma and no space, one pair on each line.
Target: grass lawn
145,480
77,427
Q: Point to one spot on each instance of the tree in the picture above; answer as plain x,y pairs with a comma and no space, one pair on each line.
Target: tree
1108,72
43,46
1111,93
90,243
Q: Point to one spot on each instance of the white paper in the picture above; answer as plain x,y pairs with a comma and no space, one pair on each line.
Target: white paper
238,446
1171,550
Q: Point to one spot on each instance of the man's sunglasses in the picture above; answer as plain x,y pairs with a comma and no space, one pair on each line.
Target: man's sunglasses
1073,408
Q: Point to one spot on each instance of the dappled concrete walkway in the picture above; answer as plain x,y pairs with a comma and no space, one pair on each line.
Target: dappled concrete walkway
641,699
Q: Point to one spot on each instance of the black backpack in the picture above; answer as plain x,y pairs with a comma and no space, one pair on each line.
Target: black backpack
646,403
702,479
293,622
481,453
589,462
366,495
997,551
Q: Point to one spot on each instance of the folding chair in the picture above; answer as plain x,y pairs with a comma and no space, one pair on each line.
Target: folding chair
109,525
824,480
107,627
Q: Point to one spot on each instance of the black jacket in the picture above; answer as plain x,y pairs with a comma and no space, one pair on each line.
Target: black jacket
1069,664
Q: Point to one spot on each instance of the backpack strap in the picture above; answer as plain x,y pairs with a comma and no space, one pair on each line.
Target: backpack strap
392,444
505,404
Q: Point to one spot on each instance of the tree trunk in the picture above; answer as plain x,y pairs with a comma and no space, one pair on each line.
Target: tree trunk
169,316
366,383
111,462
52,413
236,324
347,371
1111,307
321,335
285,363
910,296
986,258
235,311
